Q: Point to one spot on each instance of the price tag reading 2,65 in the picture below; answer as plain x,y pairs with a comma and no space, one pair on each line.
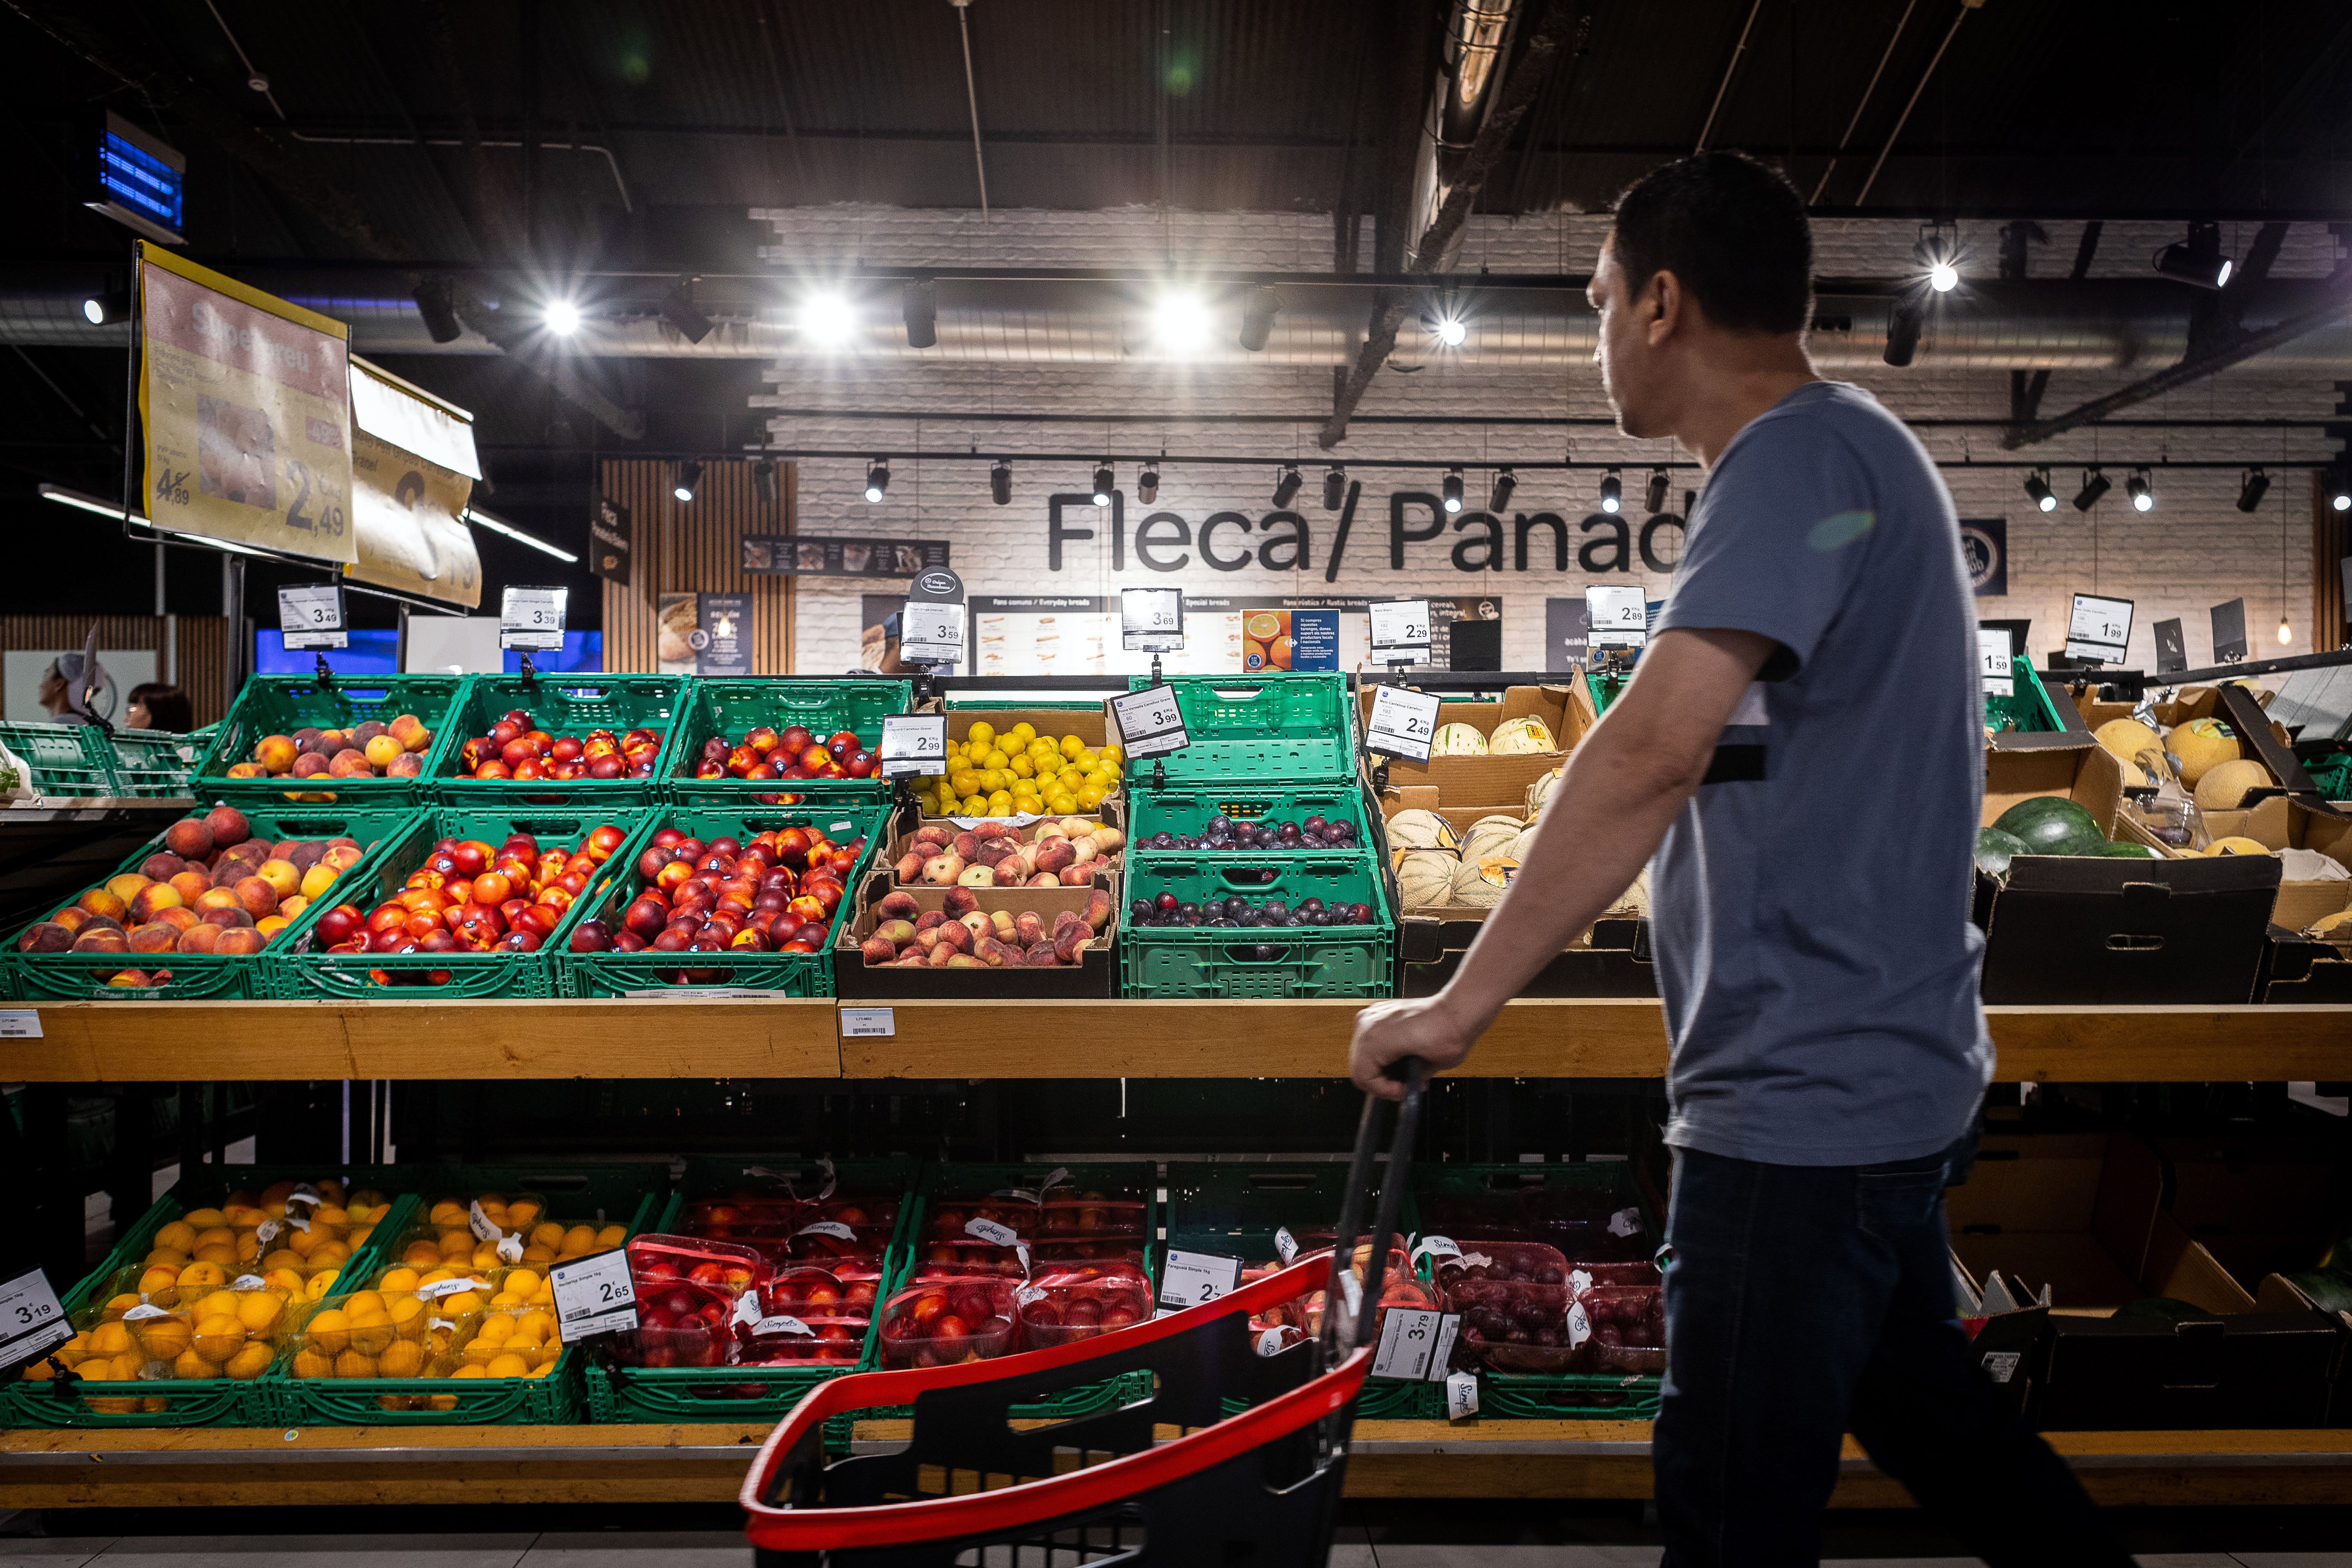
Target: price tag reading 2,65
913,743
1402,723
593,1296
533,617
1150,724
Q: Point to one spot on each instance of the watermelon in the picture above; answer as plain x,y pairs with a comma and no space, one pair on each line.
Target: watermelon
2052,825
1993,849
2328,1292
2123,851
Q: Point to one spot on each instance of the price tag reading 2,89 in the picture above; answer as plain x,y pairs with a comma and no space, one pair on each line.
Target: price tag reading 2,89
1150,724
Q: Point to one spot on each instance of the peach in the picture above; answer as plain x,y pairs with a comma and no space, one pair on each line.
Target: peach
293,907
966,843
128,977
897,933
227,918
1077,875
106,939
162,868
1044,879
100,902
1028,929
1001,922
191,885
247,771
126,886
155,938
227,826
1074,938
976,877
47,936
342,856
179,917
276,752
383,750
1098,909
73,916
152,900
411,733
200,939
309,740
956,934
240,943
961,902
315,880
900,906
928,918
309,764
1054,854
306,854
213,899
979,924
189,839
349,764
333,741
1042,956
941,955
407,765
271,925
876,949
997,954
257,896
909,867
367,730
940,871
283,878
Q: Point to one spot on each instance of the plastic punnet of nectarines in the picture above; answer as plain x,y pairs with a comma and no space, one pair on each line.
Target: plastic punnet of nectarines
1079,1301
946,1321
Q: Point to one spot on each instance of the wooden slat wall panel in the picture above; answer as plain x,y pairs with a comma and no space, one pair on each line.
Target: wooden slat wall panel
697,548
202,653
2331,541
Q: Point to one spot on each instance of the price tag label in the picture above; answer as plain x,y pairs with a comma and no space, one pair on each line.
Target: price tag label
781,1323
31,1320
480,1224
1993,662
1190,1278
931,633
1579,1325
1436,1247
1416,1344
832,1227
440,1287
1399,630
595,1296
868,1023
913,743
533,617
2099,629
1402,723
20,1024
1151,620
1618,617
310,615
1286,1246
1150,724
1460,1395
1625,1222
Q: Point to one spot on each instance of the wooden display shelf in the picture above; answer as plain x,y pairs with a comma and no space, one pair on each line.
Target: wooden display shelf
617,1037
401,1465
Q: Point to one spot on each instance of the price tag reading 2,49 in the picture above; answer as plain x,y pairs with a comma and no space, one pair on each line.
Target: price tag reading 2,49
533,617
913,743
1151,724
1402,723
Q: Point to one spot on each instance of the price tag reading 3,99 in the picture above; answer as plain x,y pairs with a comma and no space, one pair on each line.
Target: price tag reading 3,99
593,1296
533,617
31,1320
913,743
1399,630
1150,724
1402,723
310,615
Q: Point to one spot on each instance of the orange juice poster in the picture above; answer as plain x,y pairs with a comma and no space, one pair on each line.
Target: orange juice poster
247,410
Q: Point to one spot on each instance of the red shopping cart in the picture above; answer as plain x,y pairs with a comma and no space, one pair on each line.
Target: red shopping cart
1162,1481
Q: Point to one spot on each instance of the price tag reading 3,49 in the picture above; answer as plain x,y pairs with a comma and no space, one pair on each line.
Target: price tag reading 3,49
533,617
31,1320
1150,724
1402,723
593,1296
310,615
913,743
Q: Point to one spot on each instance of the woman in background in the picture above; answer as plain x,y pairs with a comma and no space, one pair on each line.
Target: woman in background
155,706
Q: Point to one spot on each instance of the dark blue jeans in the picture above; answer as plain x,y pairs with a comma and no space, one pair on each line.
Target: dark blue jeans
1807,1301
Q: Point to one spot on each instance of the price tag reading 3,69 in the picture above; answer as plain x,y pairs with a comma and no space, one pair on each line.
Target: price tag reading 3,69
1150,724
533,617
913,743
1399,630
593,1296
1151,620
310,615
1402,723
30,1318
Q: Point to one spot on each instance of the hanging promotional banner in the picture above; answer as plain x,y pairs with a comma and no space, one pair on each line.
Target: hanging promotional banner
721,638
608,530
413,473
246,402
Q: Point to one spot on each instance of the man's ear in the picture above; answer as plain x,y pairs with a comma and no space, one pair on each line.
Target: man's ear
1665,307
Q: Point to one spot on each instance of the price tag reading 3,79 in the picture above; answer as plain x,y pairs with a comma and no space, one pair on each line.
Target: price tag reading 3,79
1402,723
1151,724
913,743
533,617
31,1320
310,615
1416,1344
593,1296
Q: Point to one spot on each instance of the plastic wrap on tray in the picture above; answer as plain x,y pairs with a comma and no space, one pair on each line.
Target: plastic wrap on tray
967,1258
687,1289
1612,1323
1064,1213
1514,1325
1099,1249
958,1219
942,1322
1304,1313
1586,1224
807,1317
1515,1262
1078,1302
1629,1325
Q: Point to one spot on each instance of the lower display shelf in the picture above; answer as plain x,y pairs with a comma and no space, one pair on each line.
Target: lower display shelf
236,1467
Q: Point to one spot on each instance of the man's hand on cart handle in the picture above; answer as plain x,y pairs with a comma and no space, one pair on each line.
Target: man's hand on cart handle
1388,1033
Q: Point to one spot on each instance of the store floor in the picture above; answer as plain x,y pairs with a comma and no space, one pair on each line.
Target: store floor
1450,1535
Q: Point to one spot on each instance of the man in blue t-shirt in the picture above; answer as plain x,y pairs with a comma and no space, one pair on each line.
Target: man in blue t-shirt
1798,761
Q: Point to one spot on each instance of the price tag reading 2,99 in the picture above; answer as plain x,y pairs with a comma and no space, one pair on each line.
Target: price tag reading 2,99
533,617
1402,723
913,743
593,1296
1150,724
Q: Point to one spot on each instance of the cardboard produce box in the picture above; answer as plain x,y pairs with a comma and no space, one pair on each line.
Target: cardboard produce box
2261,1203
1088,724
1495,782
2280,823
2081,1214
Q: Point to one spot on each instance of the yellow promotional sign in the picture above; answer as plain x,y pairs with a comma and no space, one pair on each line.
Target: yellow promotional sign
248,413
408,492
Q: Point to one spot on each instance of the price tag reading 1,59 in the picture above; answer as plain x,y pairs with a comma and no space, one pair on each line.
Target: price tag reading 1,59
1402,723
533,617
913,743
31,1320
593,1296
1151,724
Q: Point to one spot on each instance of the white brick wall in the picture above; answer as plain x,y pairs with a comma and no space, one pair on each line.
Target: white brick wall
2195,550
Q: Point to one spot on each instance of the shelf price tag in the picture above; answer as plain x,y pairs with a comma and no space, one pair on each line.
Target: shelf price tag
1399,630
310,615
595,1296
1150,724
913,743
2099,629
868,1024
1993,661
31,1320
533,617
1416,1344
19,1024
1618,617
1191,1278
1403,724
1151,620
931,633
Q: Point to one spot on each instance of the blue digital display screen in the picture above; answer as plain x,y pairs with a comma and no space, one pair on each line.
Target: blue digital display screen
580,650
378,653
140,182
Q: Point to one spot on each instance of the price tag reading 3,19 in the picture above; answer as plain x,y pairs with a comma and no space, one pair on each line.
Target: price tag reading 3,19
1150,724
1151,620
310,615
1399,630
31,1320
593,1296
913,743
1402,723
533,617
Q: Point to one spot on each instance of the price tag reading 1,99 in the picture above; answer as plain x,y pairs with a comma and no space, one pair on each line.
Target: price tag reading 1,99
593,1296
1151,724
913,743
1402,723
533,617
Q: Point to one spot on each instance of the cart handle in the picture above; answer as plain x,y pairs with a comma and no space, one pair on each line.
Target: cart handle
817,1529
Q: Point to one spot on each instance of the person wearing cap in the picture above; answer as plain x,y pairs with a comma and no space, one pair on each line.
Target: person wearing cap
56,689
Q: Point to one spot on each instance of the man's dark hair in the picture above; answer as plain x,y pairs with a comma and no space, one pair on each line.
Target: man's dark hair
1732,229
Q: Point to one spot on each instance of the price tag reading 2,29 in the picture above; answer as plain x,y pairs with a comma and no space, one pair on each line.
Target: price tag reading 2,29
913,743
533,617
1402,723
1150,724
593,1296
1399,630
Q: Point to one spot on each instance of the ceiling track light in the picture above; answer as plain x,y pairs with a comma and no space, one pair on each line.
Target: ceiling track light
436,303
1903,324
1335,488
2339,493
921,311
877,480
562,317
1106,480
2197,261
2141,490
826,321
1613,494
2251,489
1937,251
1285,489
764,483
1452,489
690,479
681,311
1146,484
1000,482
2037,490
1505,482
1258,311
1656,496
2095,485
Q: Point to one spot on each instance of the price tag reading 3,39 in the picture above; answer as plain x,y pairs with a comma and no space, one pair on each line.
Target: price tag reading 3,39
533,617
1399,630
1190,1278
1150,724
1151,620
593,1296
1402,723
1416,1344
913,743
30,1318
310,615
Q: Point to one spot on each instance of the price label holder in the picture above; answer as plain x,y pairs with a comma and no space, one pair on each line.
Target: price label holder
1416,1344
533,617
2099,629
1993,661
593,1296
1399,630
1618,618
1191,1278
310,615
31,1320
868,1024
1150,722
1151,620
931,633
19,1024
913,743
1402,723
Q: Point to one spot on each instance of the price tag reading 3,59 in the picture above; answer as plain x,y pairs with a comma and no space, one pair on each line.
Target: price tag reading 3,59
1402,723
310,615
593,1296
30,1318
931,633
533,617
1150,724
1400,629
913,743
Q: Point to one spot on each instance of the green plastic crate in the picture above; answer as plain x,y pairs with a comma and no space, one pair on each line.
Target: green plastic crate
1254,961
2029,708
149,764
727,708
83,976
301,970
1188,811
563,704
281,704
1257,729
1569,1397
782,974
68,761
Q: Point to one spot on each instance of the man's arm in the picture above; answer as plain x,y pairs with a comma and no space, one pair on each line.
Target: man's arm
1623,789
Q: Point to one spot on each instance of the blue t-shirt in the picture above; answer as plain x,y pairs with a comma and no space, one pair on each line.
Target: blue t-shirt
1811,903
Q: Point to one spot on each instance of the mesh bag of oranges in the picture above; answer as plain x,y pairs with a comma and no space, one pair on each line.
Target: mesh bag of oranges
131,1342
1020,772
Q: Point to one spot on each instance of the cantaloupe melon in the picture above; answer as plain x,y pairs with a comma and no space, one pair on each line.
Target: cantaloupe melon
2237,846
2202,744
1458,741
2127,738
1514,737
1419,829
1541,792
2224,785
1491,835
1425,877
1484,882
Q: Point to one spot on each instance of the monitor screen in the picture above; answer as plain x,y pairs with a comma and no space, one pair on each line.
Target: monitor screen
371,653
580,650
